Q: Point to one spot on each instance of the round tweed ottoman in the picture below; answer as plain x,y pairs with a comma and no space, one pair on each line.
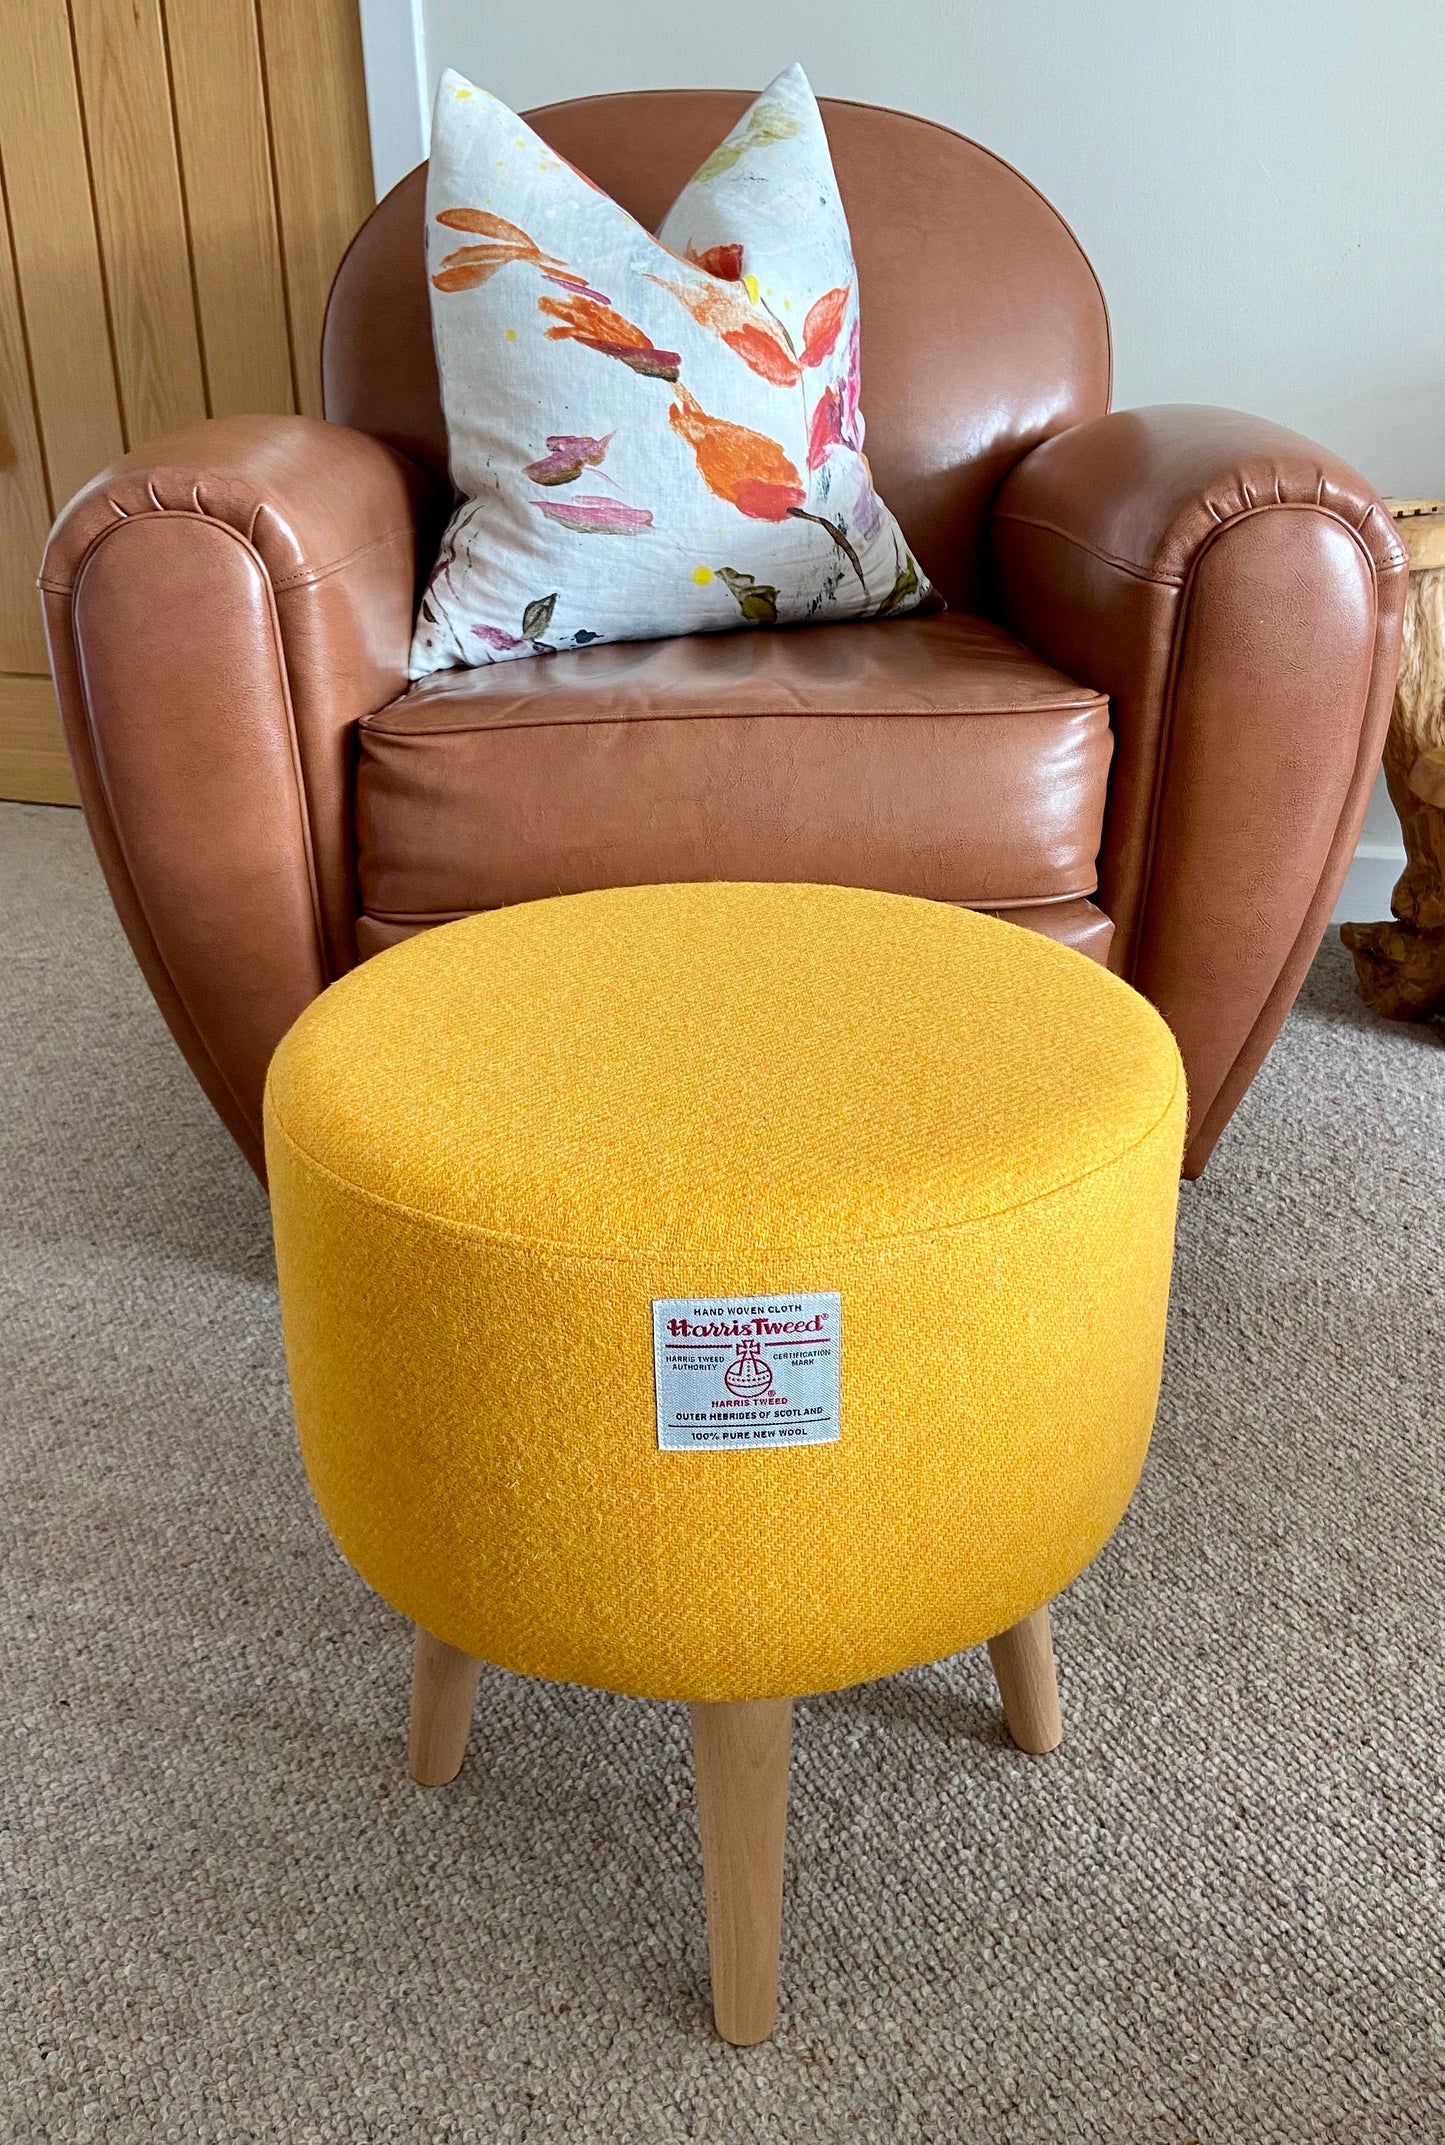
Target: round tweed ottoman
724,1293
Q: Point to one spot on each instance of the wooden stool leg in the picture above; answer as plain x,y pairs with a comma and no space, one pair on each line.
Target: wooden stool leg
443,1686
740,1758
1023,1663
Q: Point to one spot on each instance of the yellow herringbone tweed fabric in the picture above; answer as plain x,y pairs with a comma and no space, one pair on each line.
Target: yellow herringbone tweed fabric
493,1147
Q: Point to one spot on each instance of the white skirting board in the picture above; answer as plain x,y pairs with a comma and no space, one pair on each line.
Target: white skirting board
1379,861
1365,895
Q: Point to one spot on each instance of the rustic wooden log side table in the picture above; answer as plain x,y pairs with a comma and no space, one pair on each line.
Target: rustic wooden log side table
1401,961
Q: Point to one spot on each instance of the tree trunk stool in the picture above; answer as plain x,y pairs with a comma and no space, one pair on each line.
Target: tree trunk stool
723,1293
1400,963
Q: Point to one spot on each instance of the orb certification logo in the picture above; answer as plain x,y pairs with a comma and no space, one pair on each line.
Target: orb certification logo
751,1375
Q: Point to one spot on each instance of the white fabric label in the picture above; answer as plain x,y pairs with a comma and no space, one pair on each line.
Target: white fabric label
734,1373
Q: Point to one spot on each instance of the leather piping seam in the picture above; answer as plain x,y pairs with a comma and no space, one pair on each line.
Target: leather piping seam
1207,1127
294,577
222,1077
1166,738
312,576
373,726
1181,579
982,904
303,810
626,1255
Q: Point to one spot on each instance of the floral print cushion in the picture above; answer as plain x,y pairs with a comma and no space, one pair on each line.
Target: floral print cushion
650,436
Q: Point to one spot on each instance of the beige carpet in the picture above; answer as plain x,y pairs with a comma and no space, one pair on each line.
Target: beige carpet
227,1915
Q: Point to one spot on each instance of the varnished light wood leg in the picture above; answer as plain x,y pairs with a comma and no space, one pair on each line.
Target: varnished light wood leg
740,1758
1023,1663
443,1686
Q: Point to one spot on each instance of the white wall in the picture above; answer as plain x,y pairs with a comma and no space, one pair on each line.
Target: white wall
399,86
1258,182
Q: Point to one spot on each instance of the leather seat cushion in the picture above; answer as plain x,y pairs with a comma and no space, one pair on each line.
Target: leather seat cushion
931,756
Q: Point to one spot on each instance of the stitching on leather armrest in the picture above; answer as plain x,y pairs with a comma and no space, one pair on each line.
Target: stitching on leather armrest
1221,522
308,576
300,577
1108,558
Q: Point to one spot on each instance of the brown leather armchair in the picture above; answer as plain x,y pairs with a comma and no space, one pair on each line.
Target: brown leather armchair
1148,723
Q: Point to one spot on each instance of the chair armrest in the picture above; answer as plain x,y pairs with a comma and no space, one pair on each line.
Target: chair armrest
1238,594
222,607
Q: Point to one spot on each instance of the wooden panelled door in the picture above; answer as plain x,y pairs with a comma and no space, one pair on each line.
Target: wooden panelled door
179,179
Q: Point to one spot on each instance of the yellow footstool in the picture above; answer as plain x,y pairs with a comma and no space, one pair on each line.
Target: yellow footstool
723,1293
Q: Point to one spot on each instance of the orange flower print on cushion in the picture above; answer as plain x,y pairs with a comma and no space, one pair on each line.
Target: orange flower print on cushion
603,329
823,325
556,316
471,266
759,340
746,468
724,261
826,429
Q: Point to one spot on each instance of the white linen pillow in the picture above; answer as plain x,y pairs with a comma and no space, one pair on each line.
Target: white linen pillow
651,436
